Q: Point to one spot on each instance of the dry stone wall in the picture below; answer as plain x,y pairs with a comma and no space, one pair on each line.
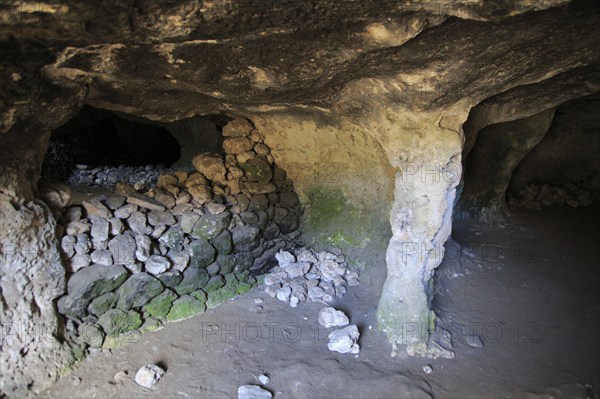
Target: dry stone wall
136,260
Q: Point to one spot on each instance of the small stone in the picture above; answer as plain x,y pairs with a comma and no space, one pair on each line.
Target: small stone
239,127
285,258
275,278
180,209
100,229
102,257
257,170
211,166
294,300
137,223
171,278
262,149
95,208
211,225
184,307
260,188
83,245
427,369
201,193
67,245
330,270
143,245
116,226
137,290
145,202
289,200
236,172
213,269
264,379
283,294
188,220
245,157
140,185
253,392
158,218
91,334
147,376
124,189
344,340
179,259
134,267
166,180
237,145
330,317
256,137
165,198
215,209
79,261
103,303
123,249
243,201
272,290
77,227
174,191
157,264
258,301
315,293
474,341
219,189
244,235
181,176
351,278
115,202
195,179
125,211
71,214
183,198
294,270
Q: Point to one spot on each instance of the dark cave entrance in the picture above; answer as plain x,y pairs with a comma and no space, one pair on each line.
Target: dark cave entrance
101,147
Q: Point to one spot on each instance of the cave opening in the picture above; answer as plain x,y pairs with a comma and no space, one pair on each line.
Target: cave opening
524,224
98,147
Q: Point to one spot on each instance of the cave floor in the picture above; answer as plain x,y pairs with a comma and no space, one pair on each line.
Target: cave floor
529,290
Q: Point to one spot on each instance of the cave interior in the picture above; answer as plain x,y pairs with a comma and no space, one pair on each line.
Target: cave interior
300,199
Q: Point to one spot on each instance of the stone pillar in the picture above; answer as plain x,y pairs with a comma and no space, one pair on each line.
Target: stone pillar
421,221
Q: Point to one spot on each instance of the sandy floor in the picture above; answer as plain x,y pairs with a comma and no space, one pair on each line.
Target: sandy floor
530,290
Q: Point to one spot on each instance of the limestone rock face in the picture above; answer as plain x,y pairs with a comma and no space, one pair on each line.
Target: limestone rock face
358,102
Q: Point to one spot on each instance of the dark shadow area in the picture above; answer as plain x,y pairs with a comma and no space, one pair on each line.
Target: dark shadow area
100,137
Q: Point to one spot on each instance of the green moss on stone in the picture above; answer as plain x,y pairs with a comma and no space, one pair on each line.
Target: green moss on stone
117,321
215,283
334,221
200,295
185,307
151,324
219,296
326,205
160,305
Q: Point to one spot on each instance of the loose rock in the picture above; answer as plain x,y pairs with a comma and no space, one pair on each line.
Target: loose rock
253,392
330,317
147,376
344,340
